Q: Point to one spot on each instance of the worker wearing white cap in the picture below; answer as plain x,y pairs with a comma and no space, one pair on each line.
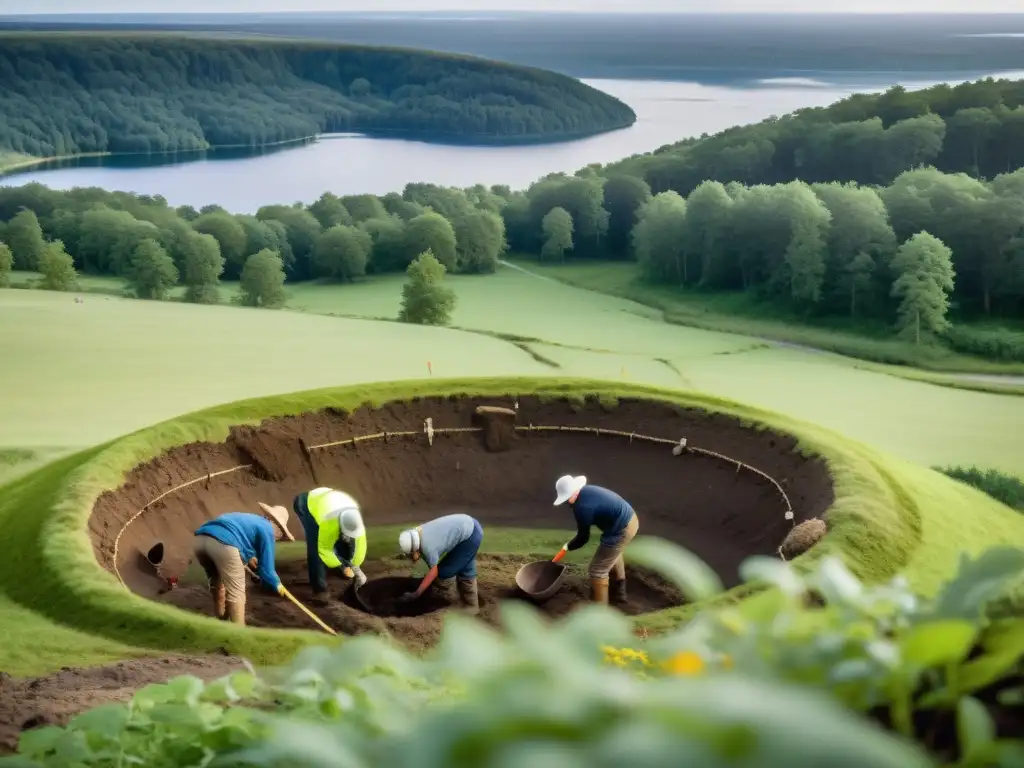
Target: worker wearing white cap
593,505
335,537
448,545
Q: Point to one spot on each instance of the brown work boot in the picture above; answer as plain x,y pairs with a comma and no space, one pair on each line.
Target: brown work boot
446,588
599,591
236,613
618,591
321,598
219,595
470,598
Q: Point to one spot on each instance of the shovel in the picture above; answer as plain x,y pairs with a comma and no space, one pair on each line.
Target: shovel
300,606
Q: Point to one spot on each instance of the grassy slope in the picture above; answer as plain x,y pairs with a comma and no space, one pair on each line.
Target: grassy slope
174,358
736,314
916,508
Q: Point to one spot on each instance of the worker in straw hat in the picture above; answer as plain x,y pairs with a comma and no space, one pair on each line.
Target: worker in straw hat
225,544
335,537
593,505
449,546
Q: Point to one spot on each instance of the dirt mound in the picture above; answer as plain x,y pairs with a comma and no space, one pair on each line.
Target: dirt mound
417,625
55,699
497,465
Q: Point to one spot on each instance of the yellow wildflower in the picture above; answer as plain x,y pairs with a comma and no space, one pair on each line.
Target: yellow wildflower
685,663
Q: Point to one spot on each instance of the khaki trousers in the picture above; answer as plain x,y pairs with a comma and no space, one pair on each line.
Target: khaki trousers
223,565
609,559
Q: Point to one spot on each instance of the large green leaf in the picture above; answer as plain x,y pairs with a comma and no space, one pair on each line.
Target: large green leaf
978,581
938,643
695,579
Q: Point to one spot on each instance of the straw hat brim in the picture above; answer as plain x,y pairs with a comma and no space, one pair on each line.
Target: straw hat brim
280,516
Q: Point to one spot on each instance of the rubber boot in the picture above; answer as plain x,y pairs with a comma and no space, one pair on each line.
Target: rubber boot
470,598
236,613
618,591
219,595
321,598
599,591
446,588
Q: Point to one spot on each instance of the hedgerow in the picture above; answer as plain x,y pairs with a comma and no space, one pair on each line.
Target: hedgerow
821,670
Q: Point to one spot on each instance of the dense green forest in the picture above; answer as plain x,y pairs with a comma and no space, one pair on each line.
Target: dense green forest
917,254
65,94
974,128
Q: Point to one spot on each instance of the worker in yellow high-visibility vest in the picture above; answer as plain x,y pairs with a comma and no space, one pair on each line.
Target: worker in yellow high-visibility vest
335,537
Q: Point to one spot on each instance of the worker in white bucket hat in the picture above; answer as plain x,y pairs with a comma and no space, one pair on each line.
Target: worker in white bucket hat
335,537
593,505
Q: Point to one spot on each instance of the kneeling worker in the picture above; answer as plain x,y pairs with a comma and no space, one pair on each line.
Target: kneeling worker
335,537
612,514
225,544
448,545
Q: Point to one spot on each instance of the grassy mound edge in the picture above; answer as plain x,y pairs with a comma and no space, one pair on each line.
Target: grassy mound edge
54,572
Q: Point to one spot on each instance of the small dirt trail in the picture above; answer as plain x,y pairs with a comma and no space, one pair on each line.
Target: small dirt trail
984,378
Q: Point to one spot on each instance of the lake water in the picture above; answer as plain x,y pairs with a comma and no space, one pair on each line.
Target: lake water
352,164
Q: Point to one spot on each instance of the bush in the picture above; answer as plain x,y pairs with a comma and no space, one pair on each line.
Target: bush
1000,486
788,682
993,343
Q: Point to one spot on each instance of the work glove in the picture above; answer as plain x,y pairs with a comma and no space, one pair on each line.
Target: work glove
280,590
408,597
253,563
348,572
360,577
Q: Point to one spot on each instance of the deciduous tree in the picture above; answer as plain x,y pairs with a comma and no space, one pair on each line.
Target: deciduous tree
58,268
25,238
152,272
425,298
262,281
203,266
342,253
558,230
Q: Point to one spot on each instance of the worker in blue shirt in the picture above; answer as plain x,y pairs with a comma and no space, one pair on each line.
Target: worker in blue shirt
593,505
449,546
225,545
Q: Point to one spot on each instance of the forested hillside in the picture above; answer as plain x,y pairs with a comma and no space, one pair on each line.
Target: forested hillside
65,94
974,128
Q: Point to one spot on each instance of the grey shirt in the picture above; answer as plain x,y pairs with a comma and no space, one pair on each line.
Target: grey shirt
441,536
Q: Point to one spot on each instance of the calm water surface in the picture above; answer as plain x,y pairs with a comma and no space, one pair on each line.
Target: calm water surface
352,164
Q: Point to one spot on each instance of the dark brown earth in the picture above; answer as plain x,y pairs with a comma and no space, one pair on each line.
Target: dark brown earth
55,699
417,625
502,477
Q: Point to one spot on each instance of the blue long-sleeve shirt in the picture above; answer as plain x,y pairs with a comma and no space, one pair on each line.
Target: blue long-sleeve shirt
252,535
606,509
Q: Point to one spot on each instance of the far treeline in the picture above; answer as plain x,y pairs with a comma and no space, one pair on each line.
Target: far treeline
919,254
70,94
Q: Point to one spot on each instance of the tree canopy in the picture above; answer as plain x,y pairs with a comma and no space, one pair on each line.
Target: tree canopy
68,94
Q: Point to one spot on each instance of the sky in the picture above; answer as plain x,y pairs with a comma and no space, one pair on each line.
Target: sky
425,6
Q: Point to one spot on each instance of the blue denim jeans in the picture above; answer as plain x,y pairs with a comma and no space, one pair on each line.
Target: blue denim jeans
461,561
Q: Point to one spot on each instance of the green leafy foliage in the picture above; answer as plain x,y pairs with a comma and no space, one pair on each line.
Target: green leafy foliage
6,265
1000,486
262,281
861,676
425,299
57,268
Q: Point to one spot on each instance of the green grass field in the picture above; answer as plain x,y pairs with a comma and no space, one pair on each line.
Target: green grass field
88,373
169,358
739,313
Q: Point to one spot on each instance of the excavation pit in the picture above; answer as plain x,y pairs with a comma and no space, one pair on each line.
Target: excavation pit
379,597
732,492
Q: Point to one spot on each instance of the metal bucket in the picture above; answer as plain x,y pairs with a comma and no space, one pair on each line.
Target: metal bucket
540,580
